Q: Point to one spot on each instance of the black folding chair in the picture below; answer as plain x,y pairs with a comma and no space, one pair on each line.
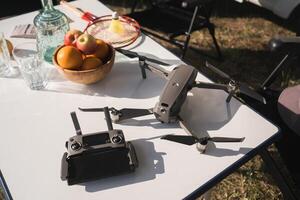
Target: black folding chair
288,145
177,17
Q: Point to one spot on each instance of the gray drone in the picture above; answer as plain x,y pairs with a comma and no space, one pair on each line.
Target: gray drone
179,82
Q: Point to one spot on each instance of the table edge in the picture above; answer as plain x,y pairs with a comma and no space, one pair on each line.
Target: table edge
219,177
7,194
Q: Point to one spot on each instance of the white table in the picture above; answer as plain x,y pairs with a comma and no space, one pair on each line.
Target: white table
36,124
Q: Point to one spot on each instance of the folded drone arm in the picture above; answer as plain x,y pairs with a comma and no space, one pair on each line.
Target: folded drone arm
122,114
184,126
128,113
216,86
147,63
157,70
233,87
289,43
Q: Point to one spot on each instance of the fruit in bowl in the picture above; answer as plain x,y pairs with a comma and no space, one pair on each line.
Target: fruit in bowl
86,43
91,63
9,47
101,50
68,57
86,62
71,36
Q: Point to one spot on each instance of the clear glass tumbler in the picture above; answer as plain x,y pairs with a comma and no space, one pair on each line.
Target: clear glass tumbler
4,57
32,67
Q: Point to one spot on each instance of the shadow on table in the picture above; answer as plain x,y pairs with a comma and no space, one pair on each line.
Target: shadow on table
207,110
151,163
212,150
203,110
124,81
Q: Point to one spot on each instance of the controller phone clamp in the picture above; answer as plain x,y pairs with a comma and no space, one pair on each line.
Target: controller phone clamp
97,155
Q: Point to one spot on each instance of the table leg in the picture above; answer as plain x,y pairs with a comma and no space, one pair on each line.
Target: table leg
277,175
4,189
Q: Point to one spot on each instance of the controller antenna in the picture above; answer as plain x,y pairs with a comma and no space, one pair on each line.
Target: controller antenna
76,123
108,119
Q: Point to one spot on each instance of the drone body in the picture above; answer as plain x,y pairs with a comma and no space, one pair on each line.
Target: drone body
174,93
179,82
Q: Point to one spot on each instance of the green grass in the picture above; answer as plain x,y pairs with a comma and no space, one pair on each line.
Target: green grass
251,181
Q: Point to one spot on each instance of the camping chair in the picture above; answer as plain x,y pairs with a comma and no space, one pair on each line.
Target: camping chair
177,17
278,111
289,145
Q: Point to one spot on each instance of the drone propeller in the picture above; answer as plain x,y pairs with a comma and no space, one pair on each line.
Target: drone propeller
190,140
119,115
132,54
144,65
217,71
235,87
245,89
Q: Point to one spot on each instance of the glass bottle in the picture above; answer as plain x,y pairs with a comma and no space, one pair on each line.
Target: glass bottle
51,26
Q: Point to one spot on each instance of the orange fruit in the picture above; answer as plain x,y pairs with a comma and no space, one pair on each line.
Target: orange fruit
9,46
101,51
69,57
91,63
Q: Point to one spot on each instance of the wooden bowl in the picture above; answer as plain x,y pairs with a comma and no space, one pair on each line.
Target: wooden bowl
87,76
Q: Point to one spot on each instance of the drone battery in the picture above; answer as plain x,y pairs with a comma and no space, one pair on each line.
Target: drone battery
101,163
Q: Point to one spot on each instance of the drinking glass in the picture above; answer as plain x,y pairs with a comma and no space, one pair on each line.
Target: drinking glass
4,57
32,67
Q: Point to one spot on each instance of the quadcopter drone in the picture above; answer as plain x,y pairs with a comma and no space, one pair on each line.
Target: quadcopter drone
179,82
